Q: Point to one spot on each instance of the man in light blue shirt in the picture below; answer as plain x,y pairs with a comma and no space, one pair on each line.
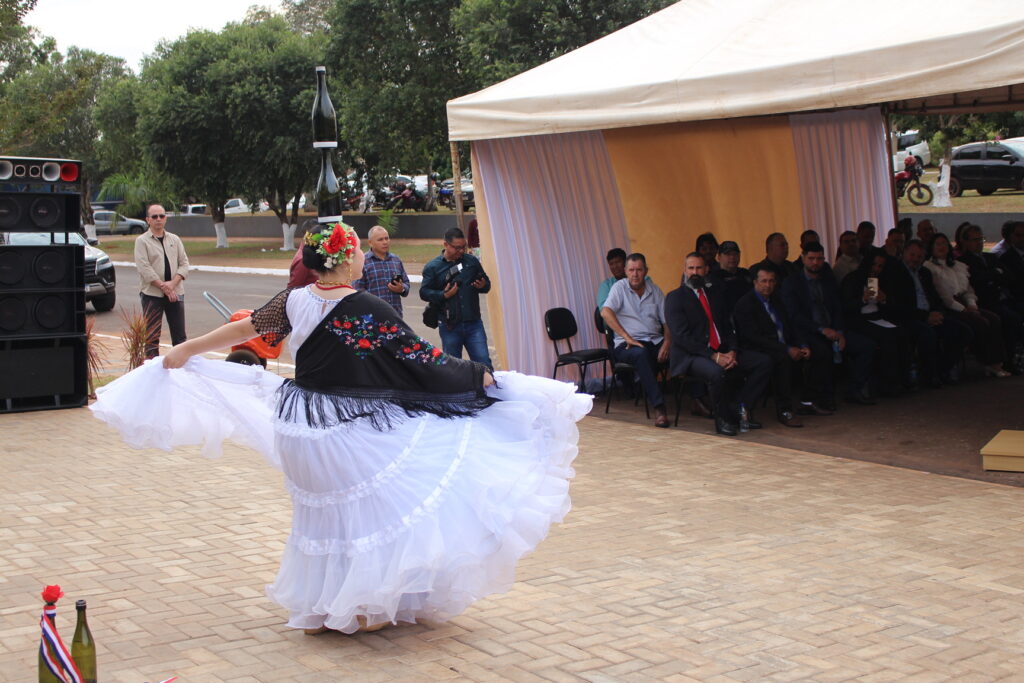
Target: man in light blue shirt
635,312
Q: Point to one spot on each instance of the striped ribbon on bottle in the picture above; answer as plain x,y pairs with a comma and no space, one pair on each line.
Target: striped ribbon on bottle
56,656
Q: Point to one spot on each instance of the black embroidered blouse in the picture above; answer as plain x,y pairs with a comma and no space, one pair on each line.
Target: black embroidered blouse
362,361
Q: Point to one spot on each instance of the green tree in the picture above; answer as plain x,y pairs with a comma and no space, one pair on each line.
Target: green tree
398,62
273,91
506,37
307,16
48,111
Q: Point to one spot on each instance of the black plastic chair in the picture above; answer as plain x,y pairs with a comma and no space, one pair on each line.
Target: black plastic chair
618,367
560,324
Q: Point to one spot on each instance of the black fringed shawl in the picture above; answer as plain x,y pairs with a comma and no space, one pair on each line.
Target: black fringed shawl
363,361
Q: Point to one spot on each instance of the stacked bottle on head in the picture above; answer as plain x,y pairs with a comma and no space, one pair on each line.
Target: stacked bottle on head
325,140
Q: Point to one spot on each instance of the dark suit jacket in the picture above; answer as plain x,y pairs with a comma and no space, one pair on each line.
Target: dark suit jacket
852,291
1013,265
755,328
734,285
796,294
689,326
901,294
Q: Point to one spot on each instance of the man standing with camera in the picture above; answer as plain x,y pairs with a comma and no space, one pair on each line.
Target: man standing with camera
452,284
383,273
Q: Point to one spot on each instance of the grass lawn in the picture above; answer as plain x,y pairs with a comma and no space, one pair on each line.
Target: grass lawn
1002,201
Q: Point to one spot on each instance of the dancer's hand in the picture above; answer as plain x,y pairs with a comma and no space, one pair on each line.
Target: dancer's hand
176,357
488,379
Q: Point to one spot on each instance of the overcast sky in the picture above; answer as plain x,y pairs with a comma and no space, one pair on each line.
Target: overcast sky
131,28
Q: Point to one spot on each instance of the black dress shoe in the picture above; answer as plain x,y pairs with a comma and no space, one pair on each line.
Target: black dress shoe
813,409
787,418
725,428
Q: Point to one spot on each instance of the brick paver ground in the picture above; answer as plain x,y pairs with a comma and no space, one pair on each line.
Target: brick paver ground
686,557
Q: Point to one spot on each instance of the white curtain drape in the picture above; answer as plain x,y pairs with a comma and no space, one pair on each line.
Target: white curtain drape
554,212
845,174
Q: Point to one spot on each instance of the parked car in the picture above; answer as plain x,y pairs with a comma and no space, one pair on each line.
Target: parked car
987,167
100,278
909,143
236,205
192,210
447,188
113,223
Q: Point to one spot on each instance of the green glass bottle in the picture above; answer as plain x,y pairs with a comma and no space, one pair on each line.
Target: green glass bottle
83,647
325,120
45,675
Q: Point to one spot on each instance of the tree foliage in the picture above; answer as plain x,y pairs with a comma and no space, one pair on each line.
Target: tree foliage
506,37
228,113
393,75
307,16
49,110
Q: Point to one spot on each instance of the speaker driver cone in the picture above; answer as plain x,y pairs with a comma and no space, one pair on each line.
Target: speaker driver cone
12,268
6,169
10,213
13,314
45,212
51,312
50,267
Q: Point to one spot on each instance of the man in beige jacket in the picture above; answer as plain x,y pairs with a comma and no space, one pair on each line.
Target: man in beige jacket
163,265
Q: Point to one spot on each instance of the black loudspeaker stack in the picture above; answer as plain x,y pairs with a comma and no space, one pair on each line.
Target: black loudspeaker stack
43,353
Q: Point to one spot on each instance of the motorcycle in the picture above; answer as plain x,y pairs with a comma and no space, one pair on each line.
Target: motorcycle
908,181
406,198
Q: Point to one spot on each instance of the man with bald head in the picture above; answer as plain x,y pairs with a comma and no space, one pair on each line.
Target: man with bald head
383,273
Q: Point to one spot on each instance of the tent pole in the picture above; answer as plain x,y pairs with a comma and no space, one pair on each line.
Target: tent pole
887,121
460,216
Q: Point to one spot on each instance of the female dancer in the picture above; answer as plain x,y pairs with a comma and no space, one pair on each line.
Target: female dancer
414,489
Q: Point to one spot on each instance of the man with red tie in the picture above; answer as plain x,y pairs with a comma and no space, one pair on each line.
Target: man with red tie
704,347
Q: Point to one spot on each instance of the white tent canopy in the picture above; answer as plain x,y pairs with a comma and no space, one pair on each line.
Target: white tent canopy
714,59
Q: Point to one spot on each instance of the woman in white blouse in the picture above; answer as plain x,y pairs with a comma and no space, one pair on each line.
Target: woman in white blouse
952,281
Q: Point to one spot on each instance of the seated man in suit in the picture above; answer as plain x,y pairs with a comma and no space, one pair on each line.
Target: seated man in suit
635,312
1012,263
812,299
734,281
915,305
704,347
776,251
763,325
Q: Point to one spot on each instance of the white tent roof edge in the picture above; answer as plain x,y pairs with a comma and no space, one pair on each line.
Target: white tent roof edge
714,59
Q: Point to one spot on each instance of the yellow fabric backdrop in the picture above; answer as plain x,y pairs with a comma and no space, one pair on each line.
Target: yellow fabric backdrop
736,178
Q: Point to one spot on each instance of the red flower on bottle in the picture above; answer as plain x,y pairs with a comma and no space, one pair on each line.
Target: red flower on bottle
364,343
335,241
51,594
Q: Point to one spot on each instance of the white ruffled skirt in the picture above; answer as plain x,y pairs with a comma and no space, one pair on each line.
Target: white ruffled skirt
416,522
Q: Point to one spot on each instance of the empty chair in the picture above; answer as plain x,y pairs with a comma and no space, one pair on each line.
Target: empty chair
560,324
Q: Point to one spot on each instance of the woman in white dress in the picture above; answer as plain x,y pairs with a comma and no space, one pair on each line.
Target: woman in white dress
417,480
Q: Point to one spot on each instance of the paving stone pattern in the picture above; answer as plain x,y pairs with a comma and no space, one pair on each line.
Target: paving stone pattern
686,557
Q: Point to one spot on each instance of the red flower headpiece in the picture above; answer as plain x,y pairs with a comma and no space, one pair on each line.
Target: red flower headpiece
336,243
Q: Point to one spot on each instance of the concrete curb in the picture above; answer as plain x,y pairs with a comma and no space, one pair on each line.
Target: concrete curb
280,272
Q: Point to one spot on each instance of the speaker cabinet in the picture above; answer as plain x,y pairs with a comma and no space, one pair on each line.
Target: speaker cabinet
41,374
40,212
42,290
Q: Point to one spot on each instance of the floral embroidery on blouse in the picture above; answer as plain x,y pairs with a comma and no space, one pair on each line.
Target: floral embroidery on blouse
420,350
364,336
